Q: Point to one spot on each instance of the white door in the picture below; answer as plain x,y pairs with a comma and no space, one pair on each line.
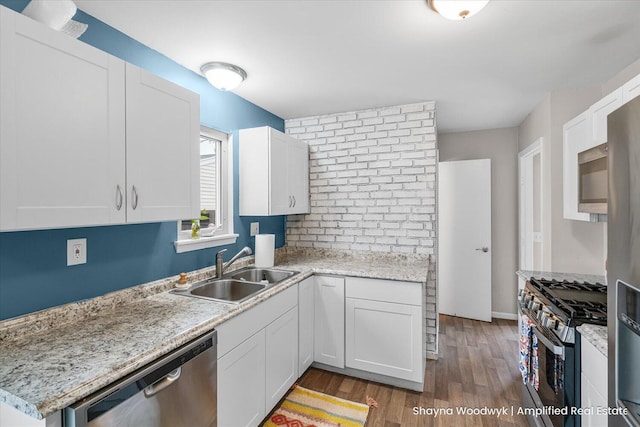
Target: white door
163,149
281,201
329,321
298,173
305,323
399,326
576,135
530,208
281,356
241,387
464,253
62,137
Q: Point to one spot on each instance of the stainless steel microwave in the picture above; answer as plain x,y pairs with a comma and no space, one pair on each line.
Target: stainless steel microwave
593,180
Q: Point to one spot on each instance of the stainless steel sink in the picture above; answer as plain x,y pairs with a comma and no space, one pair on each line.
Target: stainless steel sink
262,275
238,286
225,290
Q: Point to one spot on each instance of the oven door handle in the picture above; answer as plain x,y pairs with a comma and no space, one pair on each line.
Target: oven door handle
557,349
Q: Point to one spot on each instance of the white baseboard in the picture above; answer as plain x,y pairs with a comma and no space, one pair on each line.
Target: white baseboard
508,316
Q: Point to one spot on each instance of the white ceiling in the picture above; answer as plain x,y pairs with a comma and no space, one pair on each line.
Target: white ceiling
312,57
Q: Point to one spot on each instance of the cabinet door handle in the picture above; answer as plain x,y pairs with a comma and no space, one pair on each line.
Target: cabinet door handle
483,249
290,201
294,201
119,198
134,197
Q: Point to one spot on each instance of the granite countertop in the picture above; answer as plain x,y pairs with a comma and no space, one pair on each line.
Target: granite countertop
596,335
51,359
571,277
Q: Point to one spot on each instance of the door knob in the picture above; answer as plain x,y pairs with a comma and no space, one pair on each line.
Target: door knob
483,249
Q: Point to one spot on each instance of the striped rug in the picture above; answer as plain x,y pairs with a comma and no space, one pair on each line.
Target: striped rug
305,408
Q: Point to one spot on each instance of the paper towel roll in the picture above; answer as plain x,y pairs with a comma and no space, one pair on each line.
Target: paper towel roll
53,14
265,247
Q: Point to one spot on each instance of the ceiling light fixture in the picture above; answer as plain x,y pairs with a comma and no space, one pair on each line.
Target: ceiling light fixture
457,9
222,75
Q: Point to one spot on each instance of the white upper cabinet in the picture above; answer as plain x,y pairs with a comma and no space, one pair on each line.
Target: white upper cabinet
631,89
599,113
274,173
576,137
76,139
586,131
62,138
163,151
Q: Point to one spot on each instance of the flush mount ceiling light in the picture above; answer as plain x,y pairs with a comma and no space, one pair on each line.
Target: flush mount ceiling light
222,75
457,9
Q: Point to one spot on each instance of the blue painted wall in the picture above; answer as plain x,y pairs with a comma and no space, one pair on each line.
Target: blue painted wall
33,271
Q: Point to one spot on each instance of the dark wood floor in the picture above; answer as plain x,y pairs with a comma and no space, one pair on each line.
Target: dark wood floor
477,367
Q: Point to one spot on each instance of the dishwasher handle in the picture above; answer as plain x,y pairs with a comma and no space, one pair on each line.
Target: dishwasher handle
165,382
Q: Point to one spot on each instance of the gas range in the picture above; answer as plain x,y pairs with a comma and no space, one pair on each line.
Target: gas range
549,353
561,306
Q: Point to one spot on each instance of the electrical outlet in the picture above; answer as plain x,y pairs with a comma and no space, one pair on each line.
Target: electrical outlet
76,251
255,228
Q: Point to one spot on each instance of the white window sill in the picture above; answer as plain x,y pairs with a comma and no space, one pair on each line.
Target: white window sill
188,245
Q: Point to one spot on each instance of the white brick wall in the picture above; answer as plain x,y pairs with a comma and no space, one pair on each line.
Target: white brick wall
372,180
372,185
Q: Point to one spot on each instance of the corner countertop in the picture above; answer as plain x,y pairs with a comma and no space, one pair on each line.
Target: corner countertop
571,277
53,358
596,335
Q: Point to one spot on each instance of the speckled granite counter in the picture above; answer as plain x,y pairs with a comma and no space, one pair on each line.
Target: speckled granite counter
407,267
571,277
53,358
596,335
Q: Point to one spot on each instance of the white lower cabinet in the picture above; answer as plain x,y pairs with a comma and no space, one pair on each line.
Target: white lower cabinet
10,416
384,338
306,310
384,328
329,321
281,356
241,391
591,400
593,385
257,359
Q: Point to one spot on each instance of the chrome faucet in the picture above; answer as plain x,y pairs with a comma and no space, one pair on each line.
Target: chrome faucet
221,266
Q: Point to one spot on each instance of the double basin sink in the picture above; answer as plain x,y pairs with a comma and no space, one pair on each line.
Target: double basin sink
238,285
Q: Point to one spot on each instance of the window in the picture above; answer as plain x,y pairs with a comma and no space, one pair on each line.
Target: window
216,196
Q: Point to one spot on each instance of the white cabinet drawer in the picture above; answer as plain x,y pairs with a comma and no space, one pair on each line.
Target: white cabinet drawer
384,290
237,329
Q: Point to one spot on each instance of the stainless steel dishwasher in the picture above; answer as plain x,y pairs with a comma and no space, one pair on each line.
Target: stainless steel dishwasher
179,389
